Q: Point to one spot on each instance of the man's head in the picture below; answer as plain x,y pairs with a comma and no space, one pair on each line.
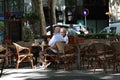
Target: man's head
57,30
63,31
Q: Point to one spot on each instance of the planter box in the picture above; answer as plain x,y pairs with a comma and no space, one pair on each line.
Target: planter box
81,40
75,40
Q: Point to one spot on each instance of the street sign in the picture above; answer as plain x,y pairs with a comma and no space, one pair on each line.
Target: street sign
85,12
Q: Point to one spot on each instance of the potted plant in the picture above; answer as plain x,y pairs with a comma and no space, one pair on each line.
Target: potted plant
27,34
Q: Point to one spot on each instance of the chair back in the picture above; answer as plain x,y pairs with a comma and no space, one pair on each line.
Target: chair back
25,44
101,50
18,47
116,47
60,46
2,48
23,54
99,46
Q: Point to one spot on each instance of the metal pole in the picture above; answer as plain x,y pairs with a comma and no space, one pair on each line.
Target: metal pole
78,48
85,22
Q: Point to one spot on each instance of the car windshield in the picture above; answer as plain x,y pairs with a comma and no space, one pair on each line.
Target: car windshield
103,31
113,30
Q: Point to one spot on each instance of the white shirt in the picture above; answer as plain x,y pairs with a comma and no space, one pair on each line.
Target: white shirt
66,39
55,38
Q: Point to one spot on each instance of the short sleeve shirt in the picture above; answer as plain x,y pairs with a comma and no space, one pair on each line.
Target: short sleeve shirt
55,38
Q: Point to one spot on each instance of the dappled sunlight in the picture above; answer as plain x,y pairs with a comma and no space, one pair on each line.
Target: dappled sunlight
40,74
61,71
107,77
118,74
98,71
25,73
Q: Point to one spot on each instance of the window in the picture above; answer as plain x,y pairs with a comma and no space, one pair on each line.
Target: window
96,2
80,2
113,30
70,3
1,6
15,5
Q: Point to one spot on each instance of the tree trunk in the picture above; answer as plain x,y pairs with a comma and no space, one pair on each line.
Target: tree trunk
42,19
52,7
52,13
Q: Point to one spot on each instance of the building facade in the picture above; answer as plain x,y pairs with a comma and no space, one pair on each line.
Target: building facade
114,10
10,13
68,11
96,18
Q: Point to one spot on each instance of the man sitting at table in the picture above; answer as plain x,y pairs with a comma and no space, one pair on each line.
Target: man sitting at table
55,38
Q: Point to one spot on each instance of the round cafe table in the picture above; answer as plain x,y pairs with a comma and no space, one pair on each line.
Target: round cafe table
37,49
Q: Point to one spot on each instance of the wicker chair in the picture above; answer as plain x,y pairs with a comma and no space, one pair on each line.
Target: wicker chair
23,54
2,59
50,57
71,55
67,55
64,57
116,51
99,54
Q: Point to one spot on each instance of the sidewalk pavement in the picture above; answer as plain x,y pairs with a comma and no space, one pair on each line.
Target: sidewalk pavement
50,74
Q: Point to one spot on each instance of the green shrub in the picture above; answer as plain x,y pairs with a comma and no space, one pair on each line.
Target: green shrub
31,15
97,35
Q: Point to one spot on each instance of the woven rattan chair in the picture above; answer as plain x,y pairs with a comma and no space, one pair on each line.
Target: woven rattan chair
99,54
71,55
52,56
64,57
2,59
57,57
23,54
61,53
116,51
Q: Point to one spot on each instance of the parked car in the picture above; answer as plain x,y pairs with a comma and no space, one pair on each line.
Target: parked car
76,27
112,28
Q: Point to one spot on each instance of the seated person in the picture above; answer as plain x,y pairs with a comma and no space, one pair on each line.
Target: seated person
63,33
55,38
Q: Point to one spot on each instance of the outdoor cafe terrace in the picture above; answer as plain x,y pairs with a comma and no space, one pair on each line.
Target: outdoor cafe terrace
94,55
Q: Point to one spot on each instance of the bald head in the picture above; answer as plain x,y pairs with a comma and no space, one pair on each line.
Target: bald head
63,31
57,30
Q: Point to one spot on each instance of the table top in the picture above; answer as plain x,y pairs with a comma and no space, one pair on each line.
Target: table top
40,45
43,46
